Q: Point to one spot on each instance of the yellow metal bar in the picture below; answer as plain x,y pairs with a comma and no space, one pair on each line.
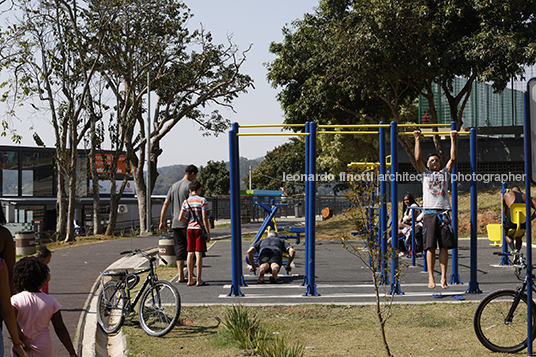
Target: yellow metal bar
424,125
347,132
372,126
271,125
371,165
447,133
272,134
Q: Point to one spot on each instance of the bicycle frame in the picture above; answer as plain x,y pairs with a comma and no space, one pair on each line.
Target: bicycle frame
150,279
521,290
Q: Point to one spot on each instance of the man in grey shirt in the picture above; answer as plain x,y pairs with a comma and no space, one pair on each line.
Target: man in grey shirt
176,195
437,229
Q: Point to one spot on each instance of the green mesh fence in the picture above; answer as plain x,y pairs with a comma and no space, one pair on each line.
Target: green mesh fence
484,107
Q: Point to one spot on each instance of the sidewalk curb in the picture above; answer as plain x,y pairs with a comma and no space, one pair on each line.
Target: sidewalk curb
91,340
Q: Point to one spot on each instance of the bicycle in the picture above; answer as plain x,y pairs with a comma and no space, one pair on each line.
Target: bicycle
500,320
160,302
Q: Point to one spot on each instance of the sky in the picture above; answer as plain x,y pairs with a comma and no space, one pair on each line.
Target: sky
250,22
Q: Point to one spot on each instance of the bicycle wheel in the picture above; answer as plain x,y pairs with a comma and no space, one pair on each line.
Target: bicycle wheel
160,307
110,306
494,331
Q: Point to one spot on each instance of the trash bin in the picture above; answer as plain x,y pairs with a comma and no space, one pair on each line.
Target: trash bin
166,249
297,210
25,243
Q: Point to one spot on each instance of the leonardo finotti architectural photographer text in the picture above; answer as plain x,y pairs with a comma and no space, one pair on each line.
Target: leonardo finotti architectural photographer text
402,177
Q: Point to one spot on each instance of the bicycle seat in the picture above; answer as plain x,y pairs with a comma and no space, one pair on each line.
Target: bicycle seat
114,273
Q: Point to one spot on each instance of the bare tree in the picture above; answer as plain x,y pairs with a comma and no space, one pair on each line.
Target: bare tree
362,195
45,51
187,73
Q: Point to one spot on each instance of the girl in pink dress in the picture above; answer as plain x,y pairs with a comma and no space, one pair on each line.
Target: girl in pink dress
35,309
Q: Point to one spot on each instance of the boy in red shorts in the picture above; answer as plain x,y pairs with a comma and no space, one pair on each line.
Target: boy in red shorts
196,208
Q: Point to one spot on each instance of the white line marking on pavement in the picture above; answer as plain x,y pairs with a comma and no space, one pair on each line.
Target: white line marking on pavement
340,295
254,285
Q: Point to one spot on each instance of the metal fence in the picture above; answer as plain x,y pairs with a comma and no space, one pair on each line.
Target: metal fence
485,108
294,207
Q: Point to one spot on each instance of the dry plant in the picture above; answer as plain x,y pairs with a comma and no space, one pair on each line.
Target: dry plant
363,195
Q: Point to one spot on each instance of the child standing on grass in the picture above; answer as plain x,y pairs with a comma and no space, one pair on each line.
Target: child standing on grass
46,256
35,309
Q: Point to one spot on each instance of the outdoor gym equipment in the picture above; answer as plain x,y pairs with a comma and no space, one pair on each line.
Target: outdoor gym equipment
310,197
271,224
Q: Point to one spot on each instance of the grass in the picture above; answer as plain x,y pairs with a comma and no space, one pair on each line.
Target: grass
324,330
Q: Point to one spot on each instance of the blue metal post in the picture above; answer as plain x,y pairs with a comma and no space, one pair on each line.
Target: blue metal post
504,258
395,285
311,204
307,223
383,206
473,284
238,206
413,253
455,276
528,171
236,239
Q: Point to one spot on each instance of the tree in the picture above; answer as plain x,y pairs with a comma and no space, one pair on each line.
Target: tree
187,73
284,160
368,249
331,70
214,178
365,60
46,53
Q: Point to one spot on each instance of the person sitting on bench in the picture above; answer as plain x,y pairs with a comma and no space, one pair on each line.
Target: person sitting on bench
270,259
514,196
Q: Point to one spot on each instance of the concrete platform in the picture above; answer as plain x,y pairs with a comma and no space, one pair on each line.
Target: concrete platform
342,278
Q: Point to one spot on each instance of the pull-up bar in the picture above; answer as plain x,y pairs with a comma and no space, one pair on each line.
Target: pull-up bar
348,132
272,134
423,125
372,126
379,125
272,125
434,133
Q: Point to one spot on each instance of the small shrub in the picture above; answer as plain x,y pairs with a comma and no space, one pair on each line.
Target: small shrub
243,326
278,347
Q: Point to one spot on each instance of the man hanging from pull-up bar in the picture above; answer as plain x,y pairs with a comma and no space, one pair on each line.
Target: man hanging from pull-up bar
436,223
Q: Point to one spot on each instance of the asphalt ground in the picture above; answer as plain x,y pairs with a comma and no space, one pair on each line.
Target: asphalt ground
341,278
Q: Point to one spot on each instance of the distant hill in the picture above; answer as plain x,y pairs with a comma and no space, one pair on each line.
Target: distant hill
168,175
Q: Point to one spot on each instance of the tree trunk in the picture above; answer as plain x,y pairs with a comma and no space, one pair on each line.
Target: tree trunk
71,205
139,184
113,206
61,207
95,181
